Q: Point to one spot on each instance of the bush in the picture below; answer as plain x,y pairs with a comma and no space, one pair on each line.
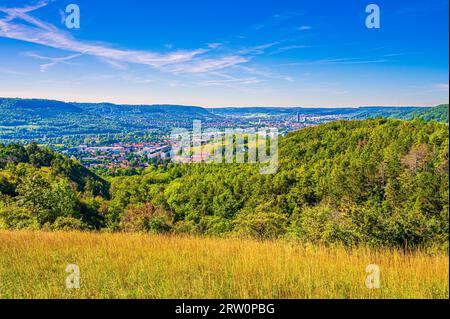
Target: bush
159,224
266,222
145,218
322,224
13,217
185,227
215,226
68,223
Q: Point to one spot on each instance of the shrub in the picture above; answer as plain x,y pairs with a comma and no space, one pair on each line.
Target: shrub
68,223
266,222
322,224
145,218
215,225
185,227
13,217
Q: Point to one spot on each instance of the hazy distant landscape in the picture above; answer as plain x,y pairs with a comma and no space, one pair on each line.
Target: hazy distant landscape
51,122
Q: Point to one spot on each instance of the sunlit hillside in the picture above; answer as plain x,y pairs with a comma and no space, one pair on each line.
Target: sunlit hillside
33,265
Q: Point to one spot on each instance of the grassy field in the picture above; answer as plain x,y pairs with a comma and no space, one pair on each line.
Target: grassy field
33,265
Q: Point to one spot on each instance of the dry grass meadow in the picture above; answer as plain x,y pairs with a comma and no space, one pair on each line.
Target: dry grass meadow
33,265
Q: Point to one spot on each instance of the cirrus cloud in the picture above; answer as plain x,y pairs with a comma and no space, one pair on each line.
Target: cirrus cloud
20,25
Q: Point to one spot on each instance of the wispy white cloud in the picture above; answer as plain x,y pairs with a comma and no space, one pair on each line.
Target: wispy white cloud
258,49
305,28
288,15
288,48
263,73
338,61
232,82
390,55
40,32
21,13
276,20
116,65
207,65
214,45
212,61
52,61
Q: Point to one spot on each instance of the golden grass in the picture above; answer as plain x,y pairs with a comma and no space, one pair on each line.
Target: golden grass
32,265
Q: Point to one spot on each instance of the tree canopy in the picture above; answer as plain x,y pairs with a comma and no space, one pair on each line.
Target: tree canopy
375,182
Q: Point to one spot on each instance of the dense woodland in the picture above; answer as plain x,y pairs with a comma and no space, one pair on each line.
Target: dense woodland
376,182
438,113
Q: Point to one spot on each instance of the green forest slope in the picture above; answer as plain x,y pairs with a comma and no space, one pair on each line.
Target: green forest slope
378,182
438,113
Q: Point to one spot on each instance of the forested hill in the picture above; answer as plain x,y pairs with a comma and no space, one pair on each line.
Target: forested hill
379,182
49,108
383,182
65,125
36,107
438,114
20,161
54,122
14,110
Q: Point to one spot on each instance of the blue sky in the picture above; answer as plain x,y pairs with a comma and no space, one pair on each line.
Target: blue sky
227,53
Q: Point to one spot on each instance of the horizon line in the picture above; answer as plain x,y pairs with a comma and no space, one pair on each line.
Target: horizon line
224,107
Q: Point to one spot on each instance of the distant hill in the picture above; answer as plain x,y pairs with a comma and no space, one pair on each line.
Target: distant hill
144,109
54,121
48,108
438,114
68,123
19,108
359,113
